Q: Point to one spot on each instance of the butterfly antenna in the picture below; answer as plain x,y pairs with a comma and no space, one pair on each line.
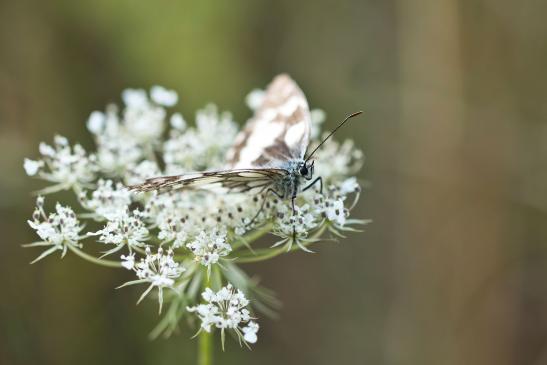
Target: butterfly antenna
331,133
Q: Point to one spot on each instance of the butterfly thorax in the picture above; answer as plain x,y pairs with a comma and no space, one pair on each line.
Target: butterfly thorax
297,172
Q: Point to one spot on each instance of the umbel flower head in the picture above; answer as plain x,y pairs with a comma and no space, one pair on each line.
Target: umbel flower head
184,247
226,309
58,231
159,270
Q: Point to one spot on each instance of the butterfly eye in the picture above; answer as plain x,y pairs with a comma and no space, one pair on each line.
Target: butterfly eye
303,170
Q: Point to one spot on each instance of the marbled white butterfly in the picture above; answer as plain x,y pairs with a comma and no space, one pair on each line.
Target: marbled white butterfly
269,155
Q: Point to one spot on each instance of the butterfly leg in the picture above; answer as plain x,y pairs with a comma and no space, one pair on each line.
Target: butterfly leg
263,203
293,197
318,179
293,226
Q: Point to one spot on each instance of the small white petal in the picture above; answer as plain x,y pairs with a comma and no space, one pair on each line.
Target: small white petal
60,140
162,96
177,121
318,116
349,186
249,332
96,122
31,167
134,98
128,261
46,150
250,337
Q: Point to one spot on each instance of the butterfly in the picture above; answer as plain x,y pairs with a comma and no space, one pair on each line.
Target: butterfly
268,155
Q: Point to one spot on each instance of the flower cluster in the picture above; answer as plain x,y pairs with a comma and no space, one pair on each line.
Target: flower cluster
226,309
202,147
59,230
62,164
124,230
159,269
108,200
209,247
191,239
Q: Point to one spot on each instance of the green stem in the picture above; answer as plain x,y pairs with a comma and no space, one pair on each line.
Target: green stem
139,250
93,259
205,339
205,350
268,253
263,254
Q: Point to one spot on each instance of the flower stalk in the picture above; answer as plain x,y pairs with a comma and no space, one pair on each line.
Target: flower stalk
205,339
95,260
205,348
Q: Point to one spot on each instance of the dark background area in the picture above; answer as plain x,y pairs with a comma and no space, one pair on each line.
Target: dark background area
452,270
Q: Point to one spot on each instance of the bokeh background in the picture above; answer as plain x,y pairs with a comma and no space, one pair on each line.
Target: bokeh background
452,271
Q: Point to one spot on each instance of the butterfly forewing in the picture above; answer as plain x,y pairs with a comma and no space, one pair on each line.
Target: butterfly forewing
238,180
279,131
277,134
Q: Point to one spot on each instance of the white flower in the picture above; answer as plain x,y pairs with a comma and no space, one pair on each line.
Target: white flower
335,160
162,96
123,229
209,247
177,122
299,223
159,269
60,140
123,143
96,122
117,158
143,120
32,167
63,164
349,185
255,98
249,332
116,149
107,201
144,170
128,261
202,147
135,98
317,118
46,150
57,230
173,229
226,309
335,211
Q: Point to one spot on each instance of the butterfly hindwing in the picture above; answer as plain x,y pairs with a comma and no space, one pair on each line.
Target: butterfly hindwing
279,130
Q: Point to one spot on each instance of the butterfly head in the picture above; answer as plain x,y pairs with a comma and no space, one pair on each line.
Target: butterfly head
306,169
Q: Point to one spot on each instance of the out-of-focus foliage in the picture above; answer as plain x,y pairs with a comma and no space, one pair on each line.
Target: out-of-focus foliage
453,268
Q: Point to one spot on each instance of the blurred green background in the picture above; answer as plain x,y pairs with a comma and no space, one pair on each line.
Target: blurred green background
452,271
